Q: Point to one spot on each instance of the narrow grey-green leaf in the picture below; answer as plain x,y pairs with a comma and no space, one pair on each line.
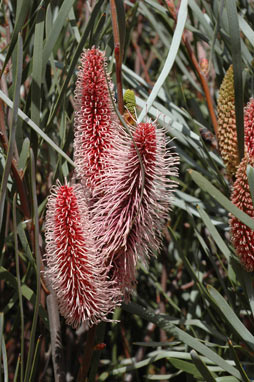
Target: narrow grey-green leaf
1,340
215,234
36,128
75,58
182,16
22,325
37,268
234,31
37,67
162,322
24,6
206,186
231,317
24,155
56,29
26,292
14,121
250,175
201,366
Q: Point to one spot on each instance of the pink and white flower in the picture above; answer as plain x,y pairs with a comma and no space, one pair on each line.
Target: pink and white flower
128,219
75,269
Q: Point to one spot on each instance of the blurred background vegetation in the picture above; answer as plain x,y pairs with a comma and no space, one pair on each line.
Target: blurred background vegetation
191,317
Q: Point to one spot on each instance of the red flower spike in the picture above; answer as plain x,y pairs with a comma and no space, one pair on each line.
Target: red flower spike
74,269
249,127
243,236
126,225
95,120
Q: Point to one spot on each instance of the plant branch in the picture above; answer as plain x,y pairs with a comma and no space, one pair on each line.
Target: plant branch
16,173
87,357
118,57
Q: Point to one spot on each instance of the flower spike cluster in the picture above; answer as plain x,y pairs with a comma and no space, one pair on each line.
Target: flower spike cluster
128,219
95,120
75,269
98,228
227,134
243,236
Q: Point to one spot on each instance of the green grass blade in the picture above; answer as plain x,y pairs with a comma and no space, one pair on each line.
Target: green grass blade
36,128
230,316
22,325
14,121
37,269
206,186
237,67
182,16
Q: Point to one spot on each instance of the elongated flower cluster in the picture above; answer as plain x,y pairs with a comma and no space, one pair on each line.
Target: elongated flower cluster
227,134
249,127
95,121
75,269
97,230
243,236
129,218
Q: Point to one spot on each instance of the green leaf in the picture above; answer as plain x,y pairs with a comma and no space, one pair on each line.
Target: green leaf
163,322
24,155
206,186
56,29
22,324
37,268
24,6
182,16
26,292
250,175
75,58
37,67
215,234
231,318
237,68
185,366
202,368
36,128
14,121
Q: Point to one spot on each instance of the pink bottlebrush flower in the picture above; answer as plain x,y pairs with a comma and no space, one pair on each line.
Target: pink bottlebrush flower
243,236
127,220
249,127
74,268
95,120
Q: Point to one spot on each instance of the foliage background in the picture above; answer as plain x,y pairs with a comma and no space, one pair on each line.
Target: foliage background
191,318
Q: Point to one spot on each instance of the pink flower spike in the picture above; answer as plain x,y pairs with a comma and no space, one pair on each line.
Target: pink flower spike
95,120
126,224
243,236
74,269
249,126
